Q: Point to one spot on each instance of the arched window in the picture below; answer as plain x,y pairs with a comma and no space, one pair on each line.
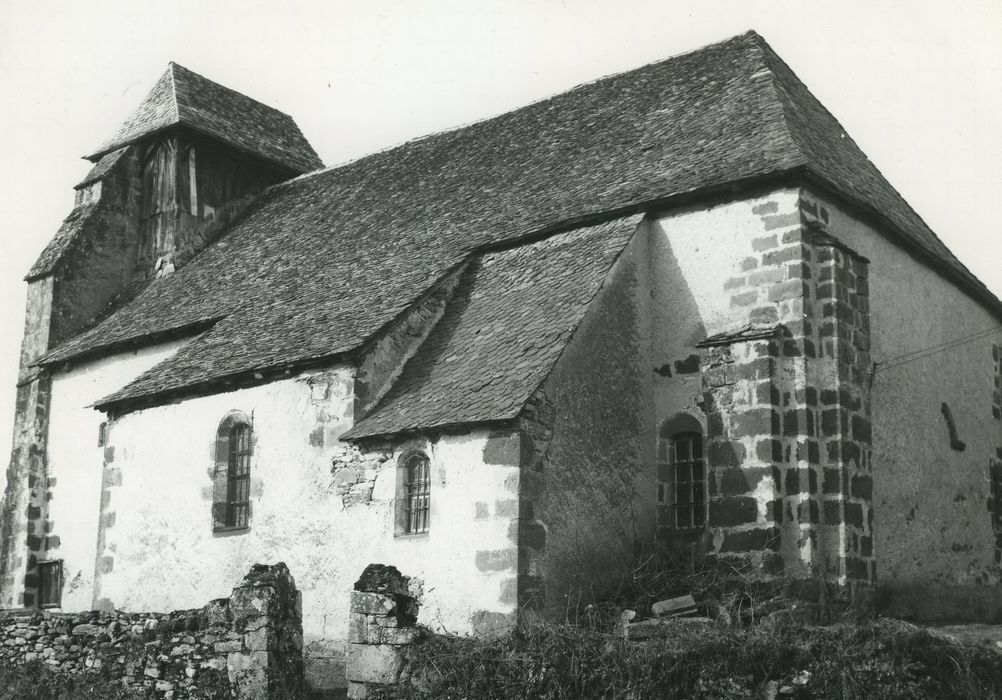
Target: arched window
682,472
413,494
231,485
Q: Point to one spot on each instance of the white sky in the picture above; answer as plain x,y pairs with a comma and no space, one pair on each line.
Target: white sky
918,84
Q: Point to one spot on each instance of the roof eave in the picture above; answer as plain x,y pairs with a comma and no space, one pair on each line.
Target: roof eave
294,170
399,433
967,283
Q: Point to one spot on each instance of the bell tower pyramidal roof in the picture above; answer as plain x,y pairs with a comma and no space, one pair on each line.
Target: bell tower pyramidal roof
183,97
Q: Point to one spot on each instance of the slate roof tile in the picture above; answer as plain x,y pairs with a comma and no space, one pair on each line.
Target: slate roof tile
318,265
182,96
101,168
510,318
72,225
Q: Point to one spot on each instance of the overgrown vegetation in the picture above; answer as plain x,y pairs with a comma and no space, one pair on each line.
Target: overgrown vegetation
781,638
878,660
36,681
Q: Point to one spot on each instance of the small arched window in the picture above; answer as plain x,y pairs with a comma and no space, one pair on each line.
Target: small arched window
682,473
414,494
231,485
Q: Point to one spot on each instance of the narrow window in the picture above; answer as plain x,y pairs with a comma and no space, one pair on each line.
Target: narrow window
688,498
231,483
415,494
682,473
238,476
50,584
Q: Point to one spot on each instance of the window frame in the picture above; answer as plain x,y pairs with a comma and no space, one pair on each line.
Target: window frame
413,508
683,434
50,571
232,509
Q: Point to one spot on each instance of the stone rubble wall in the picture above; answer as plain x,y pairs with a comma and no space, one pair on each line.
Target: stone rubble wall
249,644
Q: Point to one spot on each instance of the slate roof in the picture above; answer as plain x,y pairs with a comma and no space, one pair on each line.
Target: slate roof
72,225
101,168
181,96
511,316
320,264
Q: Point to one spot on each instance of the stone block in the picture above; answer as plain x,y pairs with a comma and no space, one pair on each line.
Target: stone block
781,220
745,299
263,638
357,691
372,603
248,674
383,579
854,514
721,453
380,664
248,603
751,540
730,511
497,560
862,486
757,421
737,481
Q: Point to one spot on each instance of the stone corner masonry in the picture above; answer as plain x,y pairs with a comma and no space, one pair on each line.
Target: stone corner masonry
788,416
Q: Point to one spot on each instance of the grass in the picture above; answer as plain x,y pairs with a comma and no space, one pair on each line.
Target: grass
878,660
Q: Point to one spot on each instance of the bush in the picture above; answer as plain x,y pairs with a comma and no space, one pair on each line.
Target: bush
878,660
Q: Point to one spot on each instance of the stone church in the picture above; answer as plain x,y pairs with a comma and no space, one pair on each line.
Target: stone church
677,302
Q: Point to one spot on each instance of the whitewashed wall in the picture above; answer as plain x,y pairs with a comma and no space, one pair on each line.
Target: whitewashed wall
932,525
694,252
75,461
161,552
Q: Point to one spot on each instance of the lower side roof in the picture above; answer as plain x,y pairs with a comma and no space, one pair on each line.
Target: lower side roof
510,318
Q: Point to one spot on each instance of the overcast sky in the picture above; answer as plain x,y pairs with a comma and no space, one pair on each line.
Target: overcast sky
917,84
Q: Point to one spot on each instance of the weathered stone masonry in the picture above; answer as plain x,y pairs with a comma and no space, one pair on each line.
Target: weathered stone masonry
249,643
788,431
66,293
381,626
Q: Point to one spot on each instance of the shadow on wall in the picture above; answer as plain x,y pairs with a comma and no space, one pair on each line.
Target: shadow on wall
600,502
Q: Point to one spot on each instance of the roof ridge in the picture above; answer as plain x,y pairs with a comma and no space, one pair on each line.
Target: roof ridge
764,51
221,86
173,89
787,101
751,33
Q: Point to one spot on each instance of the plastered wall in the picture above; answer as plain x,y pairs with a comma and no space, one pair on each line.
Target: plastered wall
75,463
932,528
597,481
157,549
699,258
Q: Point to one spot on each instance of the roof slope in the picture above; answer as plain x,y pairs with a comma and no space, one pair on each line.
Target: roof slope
71,227
511,317
512,312
320,264
181,96
833,158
